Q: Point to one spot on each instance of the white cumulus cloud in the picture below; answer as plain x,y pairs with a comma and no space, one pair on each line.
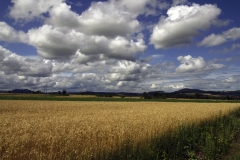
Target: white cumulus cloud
53,43
215,40
153,86
212,40
27,10
142,7
178,2
12,63
182,24
230,80
190,64
102,18
9,34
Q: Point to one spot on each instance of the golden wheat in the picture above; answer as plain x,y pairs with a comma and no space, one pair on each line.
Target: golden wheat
82,130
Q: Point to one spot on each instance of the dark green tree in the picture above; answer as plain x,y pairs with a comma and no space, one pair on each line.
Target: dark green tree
144,95
64,92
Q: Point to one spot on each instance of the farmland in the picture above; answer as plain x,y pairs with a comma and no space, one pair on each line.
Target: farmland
89,130
72,97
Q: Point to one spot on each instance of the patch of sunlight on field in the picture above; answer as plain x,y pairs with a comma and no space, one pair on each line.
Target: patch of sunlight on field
78,96
82,130
94,96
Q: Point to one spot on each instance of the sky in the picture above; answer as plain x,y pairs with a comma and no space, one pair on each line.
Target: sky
120,45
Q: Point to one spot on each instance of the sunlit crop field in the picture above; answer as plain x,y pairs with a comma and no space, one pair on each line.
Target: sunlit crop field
84,130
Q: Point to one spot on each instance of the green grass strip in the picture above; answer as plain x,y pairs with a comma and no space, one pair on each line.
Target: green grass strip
69,98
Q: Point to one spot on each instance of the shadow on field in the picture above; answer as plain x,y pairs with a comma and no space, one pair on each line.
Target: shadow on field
208,139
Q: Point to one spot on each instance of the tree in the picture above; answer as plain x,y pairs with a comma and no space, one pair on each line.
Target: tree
197,95
59,92
38,91
155,95
122,96
144,95
64,92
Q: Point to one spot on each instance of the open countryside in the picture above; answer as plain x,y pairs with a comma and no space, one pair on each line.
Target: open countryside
119,80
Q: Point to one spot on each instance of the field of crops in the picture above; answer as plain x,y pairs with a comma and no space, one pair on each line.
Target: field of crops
85,130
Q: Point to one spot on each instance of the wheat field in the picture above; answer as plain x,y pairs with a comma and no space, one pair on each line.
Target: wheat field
84,130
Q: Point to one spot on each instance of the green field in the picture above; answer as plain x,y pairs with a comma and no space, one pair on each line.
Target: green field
49,97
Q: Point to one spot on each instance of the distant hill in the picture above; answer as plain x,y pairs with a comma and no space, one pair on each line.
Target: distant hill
187,90
22,91
151,93
222,93
107,93
155,92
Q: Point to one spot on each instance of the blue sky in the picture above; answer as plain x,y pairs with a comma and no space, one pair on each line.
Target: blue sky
119,45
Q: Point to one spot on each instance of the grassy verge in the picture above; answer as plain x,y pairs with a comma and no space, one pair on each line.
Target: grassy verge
234,152
209,139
